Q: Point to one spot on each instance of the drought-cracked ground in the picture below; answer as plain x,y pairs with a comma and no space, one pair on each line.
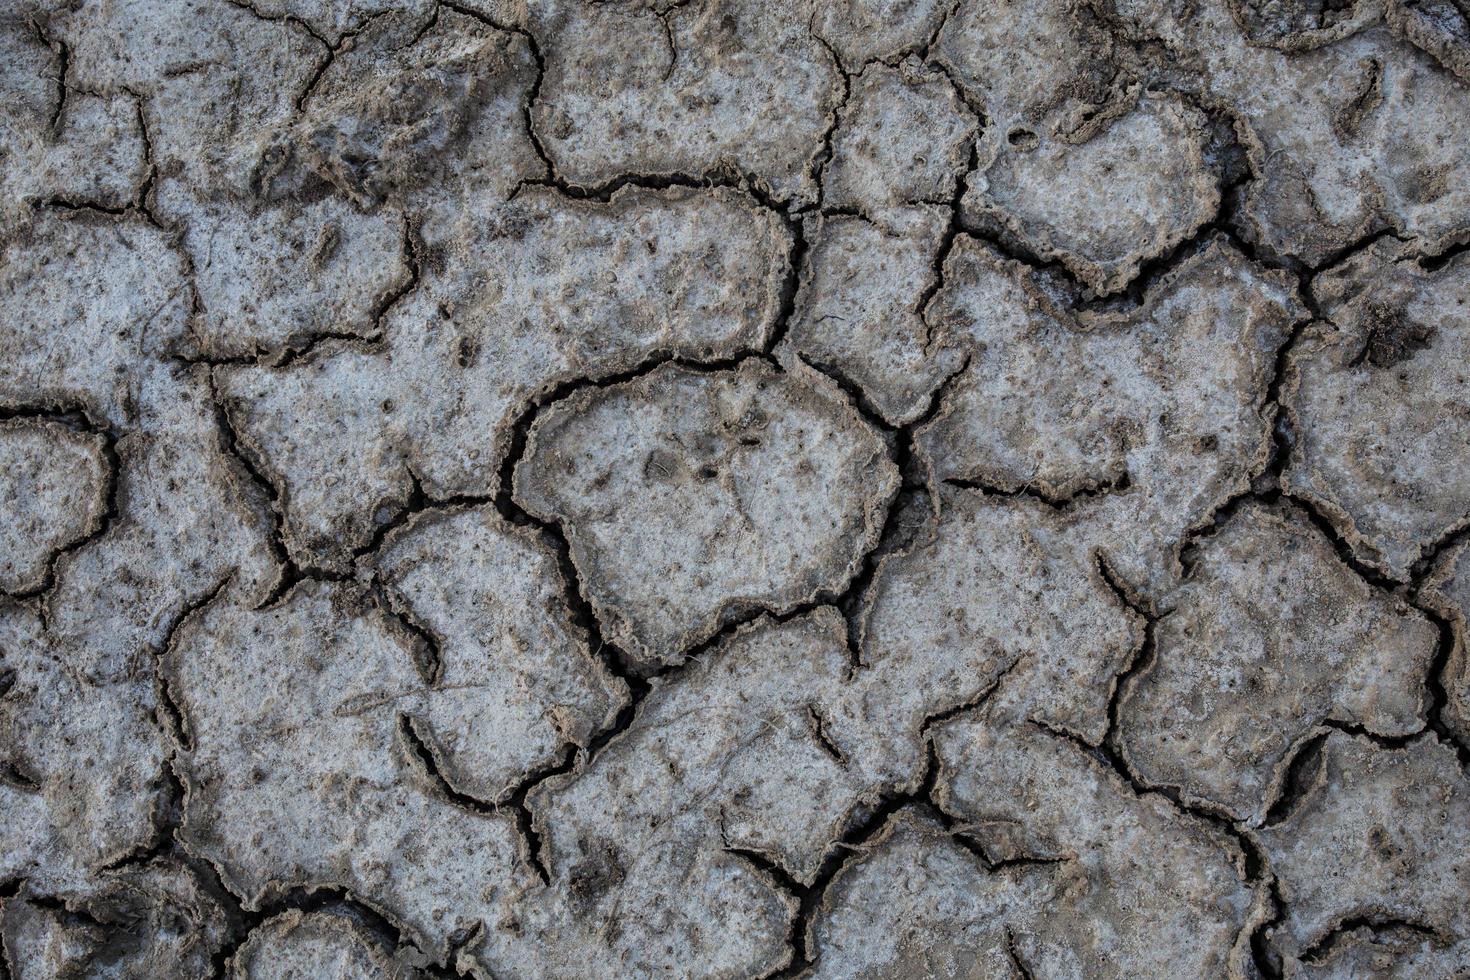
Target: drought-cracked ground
720,488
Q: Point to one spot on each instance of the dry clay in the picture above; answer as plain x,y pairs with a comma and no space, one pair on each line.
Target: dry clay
876,488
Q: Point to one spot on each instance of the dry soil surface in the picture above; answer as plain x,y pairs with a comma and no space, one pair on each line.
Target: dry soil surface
729,488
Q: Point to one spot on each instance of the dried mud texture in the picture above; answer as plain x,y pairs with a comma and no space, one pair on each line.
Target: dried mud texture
316,944
1440,27
671,488
158,918
1135,886
902,137
54,493
1271,636
1073,165
690,497
59,146
1135,426
1347,127
991,587
579,290
505,659
858,314
1380,400
669,89
300,769
1147,187
655,847
1039,862
1361,846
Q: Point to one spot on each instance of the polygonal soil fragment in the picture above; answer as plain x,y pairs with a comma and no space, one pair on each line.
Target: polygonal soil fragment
729,85
1348,129
296,945
1379,400
84,308
159,918
53,493
902,137
515,686
217,82
75,147
270,279
1144,422
719,767
1371,840
690,498
1270,636
1447,591
995,587
582,290
857,312
864,31
1103,205
1139,888
424,111
299,771
1056,869
918,903
649,845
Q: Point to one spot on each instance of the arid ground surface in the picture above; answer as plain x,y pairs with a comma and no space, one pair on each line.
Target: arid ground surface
724,488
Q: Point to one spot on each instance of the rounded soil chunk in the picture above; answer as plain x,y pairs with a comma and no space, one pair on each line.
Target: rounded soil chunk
690,498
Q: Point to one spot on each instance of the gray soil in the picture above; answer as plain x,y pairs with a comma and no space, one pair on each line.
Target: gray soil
728,488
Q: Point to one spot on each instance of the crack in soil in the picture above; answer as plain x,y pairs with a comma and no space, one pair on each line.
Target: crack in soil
75,417
270,497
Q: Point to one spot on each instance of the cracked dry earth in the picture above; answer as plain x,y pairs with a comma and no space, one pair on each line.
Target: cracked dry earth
716,488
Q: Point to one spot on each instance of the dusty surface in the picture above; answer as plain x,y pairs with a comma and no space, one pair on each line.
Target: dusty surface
662,488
